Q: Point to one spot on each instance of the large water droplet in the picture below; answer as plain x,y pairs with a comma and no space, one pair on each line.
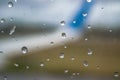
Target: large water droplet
5,78
10,4
66,71
42,64
16,65
12,30
62,23
89,0
84,14
2,20
63,35
116,74
24,50
90,52
61,55
85,63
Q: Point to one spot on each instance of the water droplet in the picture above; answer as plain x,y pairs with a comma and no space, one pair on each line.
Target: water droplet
15,0
86,39
2,31
12,30
72,58
65,47
89,0
11,19
66,71
42,64
74,21
47,59
1,52
61,55
2,20
27,67
78,74
102,7
98,67
62,23
52,43
10,4
73,74
5,77
110,30
90,52
89,27
63,35
85,63
84,14
24,50
116,74
16,65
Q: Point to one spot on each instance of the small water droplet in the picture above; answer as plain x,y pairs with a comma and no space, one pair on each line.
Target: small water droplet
66,71
27,67
2,20
15,0
11,19
65,47
24,50
47,59
86,39
98,67
89,27
5,78
12,30
85,63
16,65
1,52
84,14
74,21
89,0
52,43
2,32
110,30
116,74
73,74
61,55
102,7
72,58
62,23
42,64
90,52
78,74
63,35
10,4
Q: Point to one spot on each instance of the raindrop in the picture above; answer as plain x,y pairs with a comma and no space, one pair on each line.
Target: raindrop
89,27
42,65
47,59
5,77
10,4
90,52
2,31
27,67
63,35
98,67
102,7
89,0
73,74
116,74
16,65
62,23
2,20
85,63
86,39
12,30
84,14
24,50
61,55
66,71
72,58
1,52
52,43
65,47
74,21
15,0
11,19
110,30
78,74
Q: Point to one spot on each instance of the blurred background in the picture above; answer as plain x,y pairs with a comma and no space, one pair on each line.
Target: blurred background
59,39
